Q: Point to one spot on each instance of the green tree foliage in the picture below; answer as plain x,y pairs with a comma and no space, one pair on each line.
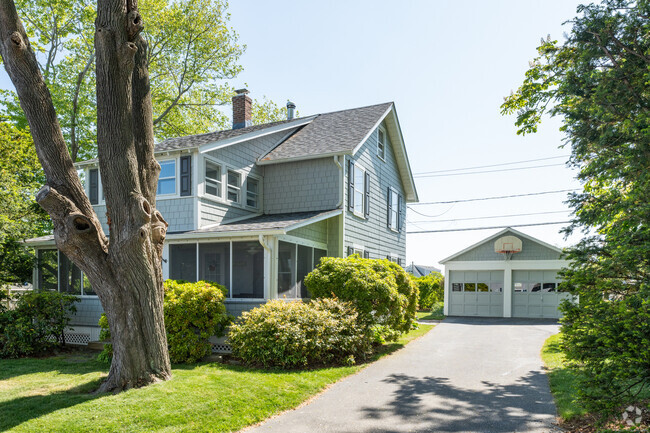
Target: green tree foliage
383,294
598,81
192,52
20,217
267,111
298,334
431,288
36,324
193,313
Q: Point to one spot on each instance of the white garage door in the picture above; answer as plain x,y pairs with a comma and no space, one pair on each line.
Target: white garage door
476,293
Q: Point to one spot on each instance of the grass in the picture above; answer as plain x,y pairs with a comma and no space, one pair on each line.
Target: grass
55,395
563,381
436,313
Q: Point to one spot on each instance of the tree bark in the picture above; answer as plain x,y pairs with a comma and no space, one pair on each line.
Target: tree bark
125,270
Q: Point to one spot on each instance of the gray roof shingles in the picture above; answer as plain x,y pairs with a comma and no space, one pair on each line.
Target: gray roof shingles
330,133
264,222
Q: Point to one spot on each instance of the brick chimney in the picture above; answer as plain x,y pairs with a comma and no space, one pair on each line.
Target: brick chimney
241,109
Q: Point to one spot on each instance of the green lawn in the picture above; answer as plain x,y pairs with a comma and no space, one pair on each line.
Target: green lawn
563,381
54,395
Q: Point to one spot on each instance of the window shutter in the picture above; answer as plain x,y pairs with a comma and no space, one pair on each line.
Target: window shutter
366,196
186,175
366,254
93,185
350,251
400,216
390,207
351,185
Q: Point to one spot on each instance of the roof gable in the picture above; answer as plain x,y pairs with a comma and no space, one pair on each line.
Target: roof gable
532,249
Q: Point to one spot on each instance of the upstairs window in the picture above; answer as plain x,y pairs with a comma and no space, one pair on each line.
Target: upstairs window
252,192
358,190
234,186
167,178
394,210
381,144
212,179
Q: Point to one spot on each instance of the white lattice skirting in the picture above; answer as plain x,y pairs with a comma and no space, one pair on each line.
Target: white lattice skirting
219,345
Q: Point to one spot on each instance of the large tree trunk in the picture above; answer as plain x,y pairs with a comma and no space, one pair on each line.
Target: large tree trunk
126,271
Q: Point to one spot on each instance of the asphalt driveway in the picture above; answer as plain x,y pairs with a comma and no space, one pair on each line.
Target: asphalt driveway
466,375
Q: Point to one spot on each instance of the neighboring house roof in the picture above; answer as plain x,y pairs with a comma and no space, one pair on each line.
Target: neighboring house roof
273,224
43,240
335,133
420,270
497,235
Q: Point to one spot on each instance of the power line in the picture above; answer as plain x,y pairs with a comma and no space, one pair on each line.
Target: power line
487,228
491,165
432,216
488,171
492,198
490,217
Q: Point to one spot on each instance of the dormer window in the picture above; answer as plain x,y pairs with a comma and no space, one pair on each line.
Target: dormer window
252,192
381,144
212,179
234,186
167,178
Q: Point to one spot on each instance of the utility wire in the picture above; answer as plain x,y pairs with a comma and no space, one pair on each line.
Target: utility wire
492,198
490,217
491,165
488,171
432,216
486,228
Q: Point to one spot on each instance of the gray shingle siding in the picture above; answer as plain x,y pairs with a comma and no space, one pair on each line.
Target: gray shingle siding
236,308
88,312
333,239
301,186
316,232
529,251
178,212
373,233
213,212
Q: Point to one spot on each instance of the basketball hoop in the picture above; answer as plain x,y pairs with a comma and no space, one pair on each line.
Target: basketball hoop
507,245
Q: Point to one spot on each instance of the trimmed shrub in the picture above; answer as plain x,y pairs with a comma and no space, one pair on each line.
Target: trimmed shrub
36,324
382,293
193,313
298,334
432,290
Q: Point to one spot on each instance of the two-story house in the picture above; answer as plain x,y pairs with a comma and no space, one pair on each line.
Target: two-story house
255,207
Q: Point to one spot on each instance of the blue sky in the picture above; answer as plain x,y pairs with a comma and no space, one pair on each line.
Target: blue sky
447,66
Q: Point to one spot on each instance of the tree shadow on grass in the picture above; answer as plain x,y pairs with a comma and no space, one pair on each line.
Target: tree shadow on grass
22,409
435,404
65,364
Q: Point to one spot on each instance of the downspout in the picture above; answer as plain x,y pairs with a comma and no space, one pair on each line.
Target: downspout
341,177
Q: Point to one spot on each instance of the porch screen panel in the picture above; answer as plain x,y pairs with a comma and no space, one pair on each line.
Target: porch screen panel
182,264
214,263
286,270
247,270
305,266
69,276
318,254
47,270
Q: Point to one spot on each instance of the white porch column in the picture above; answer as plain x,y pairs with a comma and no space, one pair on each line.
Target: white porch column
446,295
270,264
165,263
507,290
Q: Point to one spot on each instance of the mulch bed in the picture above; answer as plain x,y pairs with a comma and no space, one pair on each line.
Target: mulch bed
632,422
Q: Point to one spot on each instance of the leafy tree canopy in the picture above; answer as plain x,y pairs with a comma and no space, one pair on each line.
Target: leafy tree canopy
598,81
192,52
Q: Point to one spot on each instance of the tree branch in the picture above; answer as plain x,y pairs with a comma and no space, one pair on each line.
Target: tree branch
74,145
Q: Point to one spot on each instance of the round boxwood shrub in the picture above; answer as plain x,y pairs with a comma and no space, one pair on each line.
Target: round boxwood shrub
193,313
298,334
382,293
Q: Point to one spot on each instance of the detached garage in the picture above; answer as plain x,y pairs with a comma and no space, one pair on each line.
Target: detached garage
509,274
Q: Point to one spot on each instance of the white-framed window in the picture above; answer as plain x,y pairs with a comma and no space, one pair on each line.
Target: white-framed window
359,189
167,178
393,210
234,186
213,183
381,144
252,192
